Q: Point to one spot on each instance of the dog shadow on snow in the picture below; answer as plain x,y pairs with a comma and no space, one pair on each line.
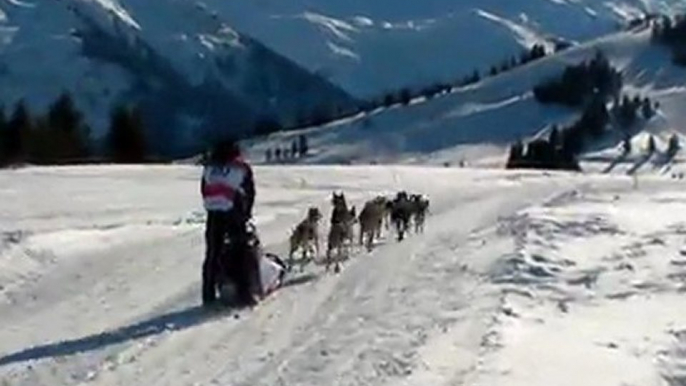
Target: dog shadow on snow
161,324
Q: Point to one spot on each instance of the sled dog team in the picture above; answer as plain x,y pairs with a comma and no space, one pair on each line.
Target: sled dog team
236,268
401,212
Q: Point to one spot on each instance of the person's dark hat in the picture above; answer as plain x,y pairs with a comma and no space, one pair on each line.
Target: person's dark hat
224,150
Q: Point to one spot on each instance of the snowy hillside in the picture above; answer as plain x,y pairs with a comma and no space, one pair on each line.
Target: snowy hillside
191,72
525,279
370,47
477,123
194,70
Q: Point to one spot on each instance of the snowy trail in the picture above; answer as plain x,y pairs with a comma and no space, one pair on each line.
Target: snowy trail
355,327
361,328
443,308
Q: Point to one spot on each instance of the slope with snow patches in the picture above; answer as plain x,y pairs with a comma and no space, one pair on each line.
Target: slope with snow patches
520,279
187,68
477,123
370,47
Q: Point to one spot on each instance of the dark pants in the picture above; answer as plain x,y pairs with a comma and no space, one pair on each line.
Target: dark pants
227,261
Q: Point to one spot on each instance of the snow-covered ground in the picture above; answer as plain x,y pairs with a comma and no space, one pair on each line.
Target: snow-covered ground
592,291
521,278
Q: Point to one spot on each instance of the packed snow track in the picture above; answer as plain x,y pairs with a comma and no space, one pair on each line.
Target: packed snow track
100,269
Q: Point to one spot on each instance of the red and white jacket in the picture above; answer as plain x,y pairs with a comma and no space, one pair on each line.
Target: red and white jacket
225,186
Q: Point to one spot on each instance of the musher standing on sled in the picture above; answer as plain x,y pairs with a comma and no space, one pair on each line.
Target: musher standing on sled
228,192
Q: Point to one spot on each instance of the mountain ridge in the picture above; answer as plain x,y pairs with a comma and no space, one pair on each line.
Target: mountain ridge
193,75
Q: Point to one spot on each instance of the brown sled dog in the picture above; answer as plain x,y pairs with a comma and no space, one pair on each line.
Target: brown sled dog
371,221
305,237
340,233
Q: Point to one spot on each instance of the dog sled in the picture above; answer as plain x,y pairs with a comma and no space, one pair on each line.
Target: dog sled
270,276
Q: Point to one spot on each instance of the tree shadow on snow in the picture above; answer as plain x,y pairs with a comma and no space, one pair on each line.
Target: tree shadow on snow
644,160
169,322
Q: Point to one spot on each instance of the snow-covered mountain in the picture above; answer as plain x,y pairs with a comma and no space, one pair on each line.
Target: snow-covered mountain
370,47
192,67
478,123
191,72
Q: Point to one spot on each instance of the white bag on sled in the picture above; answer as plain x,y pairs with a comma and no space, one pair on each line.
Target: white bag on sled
272,271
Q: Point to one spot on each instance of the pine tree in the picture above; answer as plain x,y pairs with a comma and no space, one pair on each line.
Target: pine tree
573,140
126,138
595,117
433,90
3,136
580,83
474,78
405,96
524,58
636,103
516,155
647,109
554,138
44,145
568,151
674,145
62,114
389,100
656,32
513,62
539,154
268,155
277,154
18,135
627,111
651,145
69,133
537,51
